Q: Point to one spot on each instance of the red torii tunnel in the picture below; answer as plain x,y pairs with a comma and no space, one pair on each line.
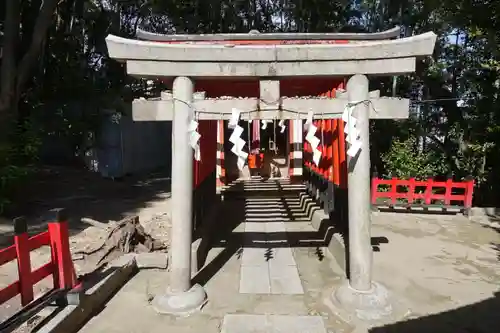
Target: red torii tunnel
214,133
212,169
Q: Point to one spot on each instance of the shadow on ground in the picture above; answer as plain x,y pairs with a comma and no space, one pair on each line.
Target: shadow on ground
83,194
481,317
494,224
225,233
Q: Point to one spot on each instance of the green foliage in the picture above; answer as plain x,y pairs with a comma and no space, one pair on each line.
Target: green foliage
460,138
404,160
18,157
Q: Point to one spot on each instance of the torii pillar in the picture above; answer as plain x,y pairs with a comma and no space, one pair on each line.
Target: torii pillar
181,297
181,57
360,294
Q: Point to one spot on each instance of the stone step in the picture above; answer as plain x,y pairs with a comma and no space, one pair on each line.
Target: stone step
263,188
287,198
251,212
278,219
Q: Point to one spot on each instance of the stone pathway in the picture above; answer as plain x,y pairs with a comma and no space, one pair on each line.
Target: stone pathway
268,266
259,289
443,270
265,268
271,323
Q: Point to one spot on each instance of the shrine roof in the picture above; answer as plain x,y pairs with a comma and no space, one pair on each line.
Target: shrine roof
248,55
255,36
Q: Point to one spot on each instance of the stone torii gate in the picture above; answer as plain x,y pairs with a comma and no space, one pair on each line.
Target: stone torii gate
270,58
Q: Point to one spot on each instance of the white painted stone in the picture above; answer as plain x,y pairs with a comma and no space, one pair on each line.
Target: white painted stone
255,280
285,280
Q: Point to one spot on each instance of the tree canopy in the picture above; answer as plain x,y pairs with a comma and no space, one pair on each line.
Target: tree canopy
54,57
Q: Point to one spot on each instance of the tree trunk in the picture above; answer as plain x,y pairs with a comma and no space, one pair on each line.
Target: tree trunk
9,55
13,75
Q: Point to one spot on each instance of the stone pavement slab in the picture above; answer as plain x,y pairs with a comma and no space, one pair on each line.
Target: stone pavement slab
282,256
254,256
130,312
285,280
243,323
266,268
255,280
437,265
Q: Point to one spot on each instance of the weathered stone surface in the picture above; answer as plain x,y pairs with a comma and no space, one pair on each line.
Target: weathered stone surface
255,280
285,280
196,54
152,260
272,324
448,285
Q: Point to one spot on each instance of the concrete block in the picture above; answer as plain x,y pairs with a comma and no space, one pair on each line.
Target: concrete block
285,280
255,280
244,323
157,260
275,227
282,256
255,256
255,227
484,211
297,324
336,248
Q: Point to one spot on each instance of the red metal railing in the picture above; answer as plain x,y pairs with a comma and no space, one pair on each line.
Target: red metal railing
422,192
60,266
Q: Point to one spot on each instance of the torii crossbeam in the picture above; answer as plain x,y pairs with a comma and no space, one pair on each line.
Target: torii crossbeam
279,108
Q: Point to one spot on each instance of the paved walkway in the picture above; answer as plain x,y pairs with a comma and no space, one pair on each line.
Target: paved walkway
266,268
259,288
270,273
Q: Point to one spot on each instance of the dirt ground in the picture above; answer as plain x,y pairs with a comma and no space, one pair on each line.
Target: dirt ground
443,271
442,274
84,194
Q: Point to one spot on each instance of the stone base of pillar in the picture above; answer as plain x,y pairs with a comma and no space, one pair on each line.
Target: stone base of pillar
372,305
181,304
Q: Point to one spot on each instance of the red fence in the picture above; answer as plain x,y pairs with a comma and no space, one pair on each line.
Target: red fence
60,266
423,193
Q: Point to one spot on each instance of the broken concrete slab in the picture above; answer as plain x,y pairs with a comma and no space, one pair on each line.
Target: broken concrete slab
149,260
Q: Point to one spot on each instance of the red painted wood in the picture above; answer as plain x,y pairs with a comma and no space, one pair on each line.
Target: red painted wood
64,273
405,189
7,254
21,242
60,266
